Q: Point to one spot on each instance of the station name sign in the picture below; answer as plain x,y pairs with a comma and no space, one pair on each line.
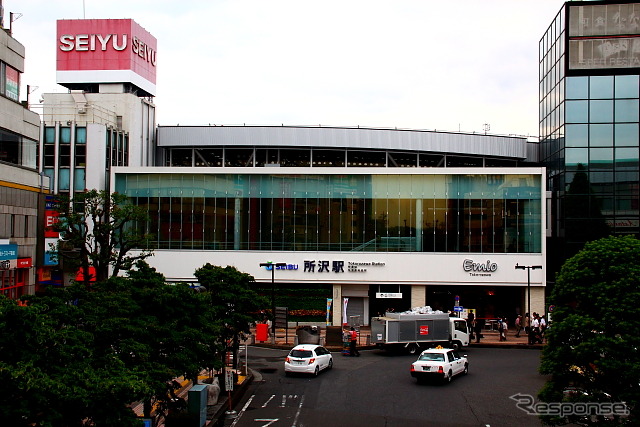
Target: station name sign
329,266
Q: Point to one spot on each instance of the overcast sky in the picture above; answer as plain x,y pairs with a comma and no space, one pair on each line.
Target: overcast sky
421,64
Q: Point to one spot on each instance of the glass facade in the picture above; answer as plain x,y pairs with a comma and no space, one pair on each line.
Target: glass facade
495,213
589,122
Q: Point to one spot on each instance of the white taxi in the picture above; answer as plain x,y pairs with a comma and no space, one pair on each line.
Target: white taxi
308,359
439,363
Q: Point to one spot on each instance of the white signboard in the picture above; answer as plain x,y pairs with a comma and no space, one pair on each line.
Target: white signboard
228,379
388,294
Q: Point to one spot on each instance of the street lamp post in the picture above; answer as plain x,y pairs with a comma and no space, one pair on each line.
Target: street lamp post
272,266
528,268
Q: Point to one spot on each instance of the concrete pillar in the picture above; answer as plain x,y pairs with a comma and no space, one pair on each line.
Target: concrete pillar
418,296
336,320
538,299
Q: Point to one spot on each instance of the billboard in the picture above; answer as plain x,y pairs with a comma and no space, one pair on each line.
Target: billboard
604,36
105,51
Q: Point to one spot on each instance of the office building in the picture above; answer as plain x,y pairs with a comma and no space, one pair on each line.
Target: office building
589,115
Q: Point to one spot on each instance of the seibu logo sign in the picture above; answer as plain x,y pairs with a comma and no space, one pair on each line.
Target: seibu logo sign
105,51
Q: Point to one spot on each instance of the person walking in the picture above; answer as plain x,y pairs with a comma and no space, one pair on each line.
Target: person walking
471,320
518,325
479,325
534,329
527,324
353,343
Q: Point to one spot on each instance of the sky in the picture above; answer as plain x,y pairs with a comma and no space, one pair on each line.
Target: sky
416,64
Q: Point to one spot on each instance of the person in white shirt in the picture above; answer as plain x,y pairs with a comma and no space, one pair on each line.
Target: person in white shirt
535,329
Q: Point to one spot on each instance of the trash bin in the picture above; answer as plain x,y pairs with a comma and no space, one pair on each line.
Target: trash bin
308,335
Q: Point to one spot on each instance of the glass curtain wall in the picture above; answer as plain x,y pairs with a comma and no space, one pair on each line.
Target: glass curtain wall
370,213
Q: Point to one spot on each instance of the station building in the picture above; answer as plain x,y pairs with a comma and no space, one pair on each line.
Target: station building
385,218
389,219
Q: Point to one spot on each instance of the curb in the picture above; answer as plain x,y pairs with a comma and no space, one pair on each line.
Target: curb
218,411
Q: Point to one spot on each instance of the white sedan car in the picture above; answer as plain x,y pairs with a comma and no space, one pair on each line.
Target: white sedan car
308,359
438,363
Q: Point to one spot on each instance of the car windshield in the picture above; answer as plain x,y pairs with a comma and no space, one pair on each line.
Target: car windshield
301,353
432,357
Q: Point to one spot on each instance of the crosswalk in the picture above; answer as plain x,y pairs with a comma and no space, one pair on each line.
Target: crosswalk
283,405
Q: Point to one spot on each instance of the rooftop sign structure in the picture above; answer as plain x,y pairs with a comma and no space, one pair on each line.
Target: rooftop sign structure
93,51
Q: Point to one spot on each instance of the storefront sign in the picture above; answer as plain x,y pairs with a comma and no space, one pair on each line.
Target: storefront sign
479,269
24,263
424,330
8,252
388,294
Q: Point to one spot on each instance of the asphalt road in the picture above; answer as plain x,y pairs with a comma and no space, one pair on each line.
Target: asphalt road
376,389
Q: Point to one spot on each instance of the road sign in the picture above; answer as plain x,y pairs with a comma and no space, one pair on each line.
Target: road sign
458,308
228,379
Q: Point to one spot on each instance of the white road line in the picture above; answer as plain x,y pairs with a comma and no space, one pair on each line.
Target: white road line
271,421
295,420
244,408
268,400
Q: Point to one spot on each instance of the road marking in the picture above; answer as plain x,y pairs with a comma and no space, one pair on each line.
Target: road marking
268,400
271,421
295,420
244,408
284,400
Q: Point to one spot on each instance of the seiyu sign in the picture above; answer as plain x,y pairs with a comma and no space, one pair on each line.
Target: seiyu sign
106,51
479,268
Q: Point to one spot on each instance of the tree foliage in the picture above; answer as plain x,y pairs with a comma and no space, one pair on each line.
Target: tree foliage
593,350
234,300
80,356
100,229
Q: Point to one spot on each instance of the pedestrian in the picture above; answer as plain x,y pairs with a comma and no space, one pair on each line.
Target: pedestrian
534,333
505,328
479,325
471,320
527,324
543,328
518,325
353,343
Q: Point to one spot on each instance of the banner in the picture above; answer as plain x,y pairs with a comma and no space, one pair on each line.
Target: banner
345,303
329,301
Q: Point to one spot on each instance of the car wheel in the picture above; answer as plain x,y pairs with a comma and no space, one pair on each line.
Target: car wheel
449,377
330,364
316,372
466,369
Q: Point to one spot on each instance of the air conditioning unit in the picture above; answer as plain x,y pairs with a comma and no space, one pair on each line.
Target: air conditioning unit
82,109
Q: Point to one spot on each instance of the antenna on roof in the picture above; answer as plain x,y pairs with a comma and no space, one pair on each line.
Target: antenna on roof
486,127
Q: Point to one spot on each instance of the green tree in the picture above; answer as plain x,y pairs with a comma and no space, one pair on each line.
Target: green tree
100,230
593,350
235,302
80,356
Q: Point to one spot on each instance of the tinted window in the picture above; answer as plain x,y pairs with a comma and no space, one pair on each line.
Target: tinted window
450,356
432,357
301,353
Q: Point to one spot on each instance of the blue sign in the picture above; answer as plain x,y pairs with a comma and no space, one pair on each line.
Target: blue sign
8,252
457,308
